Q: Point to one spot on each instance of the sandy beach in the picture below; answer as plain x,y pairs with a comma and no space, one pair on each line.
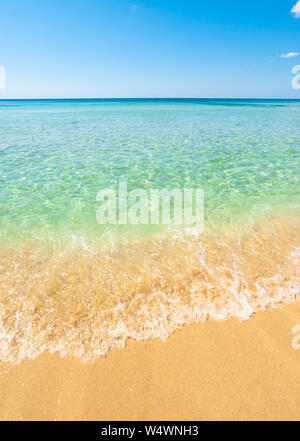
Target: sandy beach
213,371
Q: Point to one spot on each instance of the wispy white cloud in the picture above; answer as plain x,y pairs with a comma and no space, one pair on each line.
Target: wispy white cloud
296,9
290,54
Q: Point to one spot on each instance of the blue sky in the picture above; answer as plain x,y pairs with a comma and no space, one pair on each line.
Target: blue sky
149,48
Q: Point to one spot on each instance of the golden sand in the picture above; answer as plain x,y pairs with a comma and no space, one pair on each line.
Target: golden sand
62,307
228,370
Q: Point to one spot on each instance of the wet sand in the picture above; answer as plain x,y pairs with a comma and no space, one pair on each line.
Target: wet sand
228,370
83,302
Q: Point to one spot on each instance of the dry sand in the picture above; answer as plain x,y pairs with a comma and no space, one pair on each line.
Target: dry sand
215,371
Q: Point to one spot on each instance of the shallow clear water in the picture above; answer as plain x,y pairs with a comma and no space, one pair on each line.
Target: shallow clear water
65,288
56,155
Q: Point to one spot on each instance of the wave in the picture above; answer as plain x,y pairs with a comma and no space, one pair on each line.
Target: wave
81,302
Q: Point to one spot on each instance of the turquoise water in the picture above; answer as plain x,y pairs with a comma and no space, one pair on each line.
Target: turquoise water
56,155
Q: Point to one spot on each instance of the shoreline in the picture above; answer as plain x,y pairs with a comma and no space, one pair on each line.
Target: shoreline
84,303
213,371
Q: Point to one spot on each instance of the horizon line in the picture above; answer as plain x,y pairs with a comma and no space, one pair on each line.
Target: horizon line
146,98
